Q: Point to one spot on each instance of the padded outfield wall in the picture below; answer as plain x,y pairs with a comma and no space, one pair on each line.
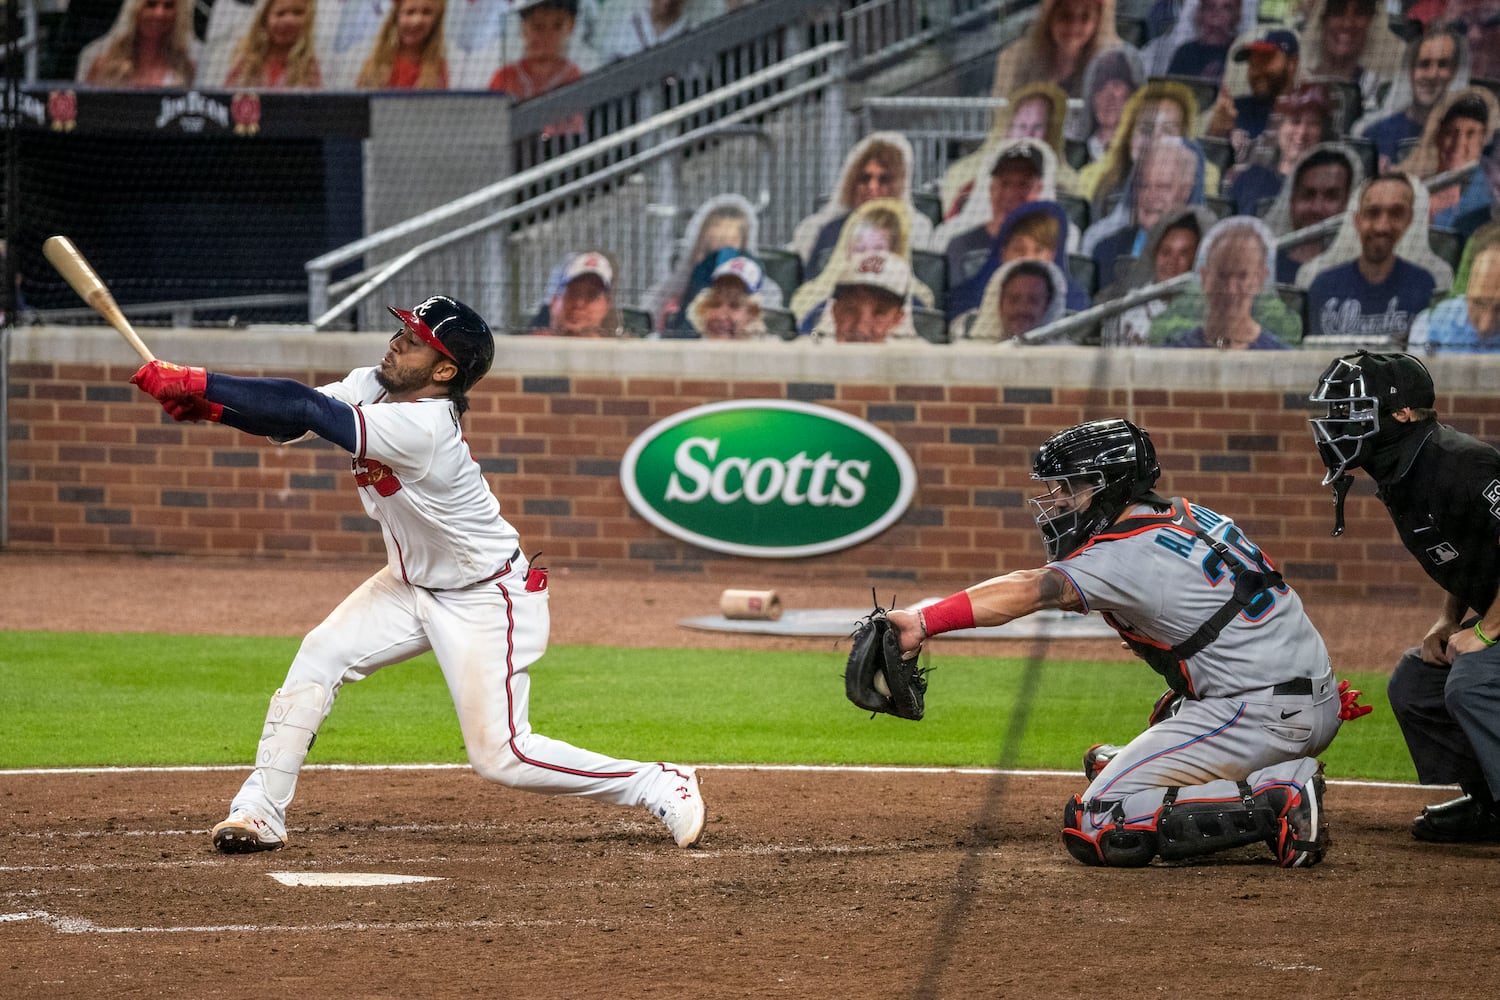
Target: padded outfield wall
94,466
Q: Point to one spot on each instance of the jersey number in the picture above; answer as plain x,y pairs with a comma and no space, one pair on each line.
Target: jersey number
1215,571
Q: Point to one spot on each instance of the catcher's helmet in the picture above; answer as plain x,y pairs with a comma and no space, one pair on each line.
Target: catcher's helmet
456,332
1358,389
1100,467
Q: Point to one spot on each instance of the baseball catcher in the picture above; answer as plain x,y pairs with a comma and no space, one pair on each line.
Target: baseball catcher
1230,756
878,676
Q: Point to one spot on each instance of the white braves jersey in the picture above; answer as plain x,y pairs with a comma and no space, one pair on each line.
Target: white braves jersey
417,479
1158,580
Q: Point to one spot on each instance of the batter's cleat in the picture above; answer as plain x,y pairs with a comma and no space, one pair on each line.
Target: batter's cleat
682,809
1097,757
243,833
1302,834
1464,820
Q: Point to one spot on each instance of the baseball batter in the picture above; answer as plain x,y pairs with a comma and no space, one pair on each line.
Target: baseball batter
455,581
1230,757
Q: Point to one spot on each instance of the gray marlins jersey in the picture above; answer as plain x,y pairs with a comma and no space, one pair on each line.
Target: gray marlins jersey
1160,582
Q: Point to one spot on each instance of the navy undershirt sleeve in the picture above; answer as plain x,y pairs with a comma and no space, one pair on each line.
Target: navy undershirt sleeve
282,408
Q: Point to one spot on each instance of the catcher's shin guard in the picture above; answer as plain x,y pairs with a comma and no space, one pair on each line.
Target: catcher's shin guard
1113,847
292,724
1196,829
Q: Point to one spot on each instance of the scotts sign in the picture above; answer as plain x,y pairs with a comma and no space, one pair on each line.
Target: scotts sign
767,477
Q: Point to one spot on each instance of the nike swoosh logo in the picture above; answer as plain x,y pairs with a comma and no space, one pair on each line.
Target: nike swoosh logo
1288,715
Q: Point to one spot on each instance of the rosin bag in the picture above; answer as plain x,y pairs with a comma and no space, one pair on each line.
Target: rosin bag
750,605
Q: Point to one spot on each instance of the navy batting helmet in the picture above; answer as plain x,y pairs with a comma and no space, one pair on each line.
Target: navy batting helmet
456,332
1359,388
1099,468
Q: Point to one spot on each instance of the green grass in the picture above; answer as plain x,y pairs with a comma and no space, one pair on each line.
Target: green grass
132,699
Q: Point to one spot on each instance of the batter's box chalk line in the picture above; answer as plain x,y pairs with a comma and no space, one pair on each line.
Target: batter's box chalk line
343,879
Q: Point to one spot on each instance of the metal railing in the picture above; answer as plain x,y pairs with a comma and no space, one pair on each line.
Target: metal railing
881,32
467,231
184,312
712,55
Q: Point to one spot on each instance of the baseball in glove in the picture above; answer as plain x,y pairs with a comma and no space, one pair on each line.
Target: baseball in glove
877,677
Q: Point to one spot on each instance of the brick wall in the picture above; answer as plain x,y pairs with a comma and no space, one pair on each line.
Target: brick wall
95,466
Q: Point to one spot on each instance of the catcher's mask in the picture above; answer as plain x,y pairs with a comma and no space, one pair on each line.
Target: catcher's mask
1362,390
1096,469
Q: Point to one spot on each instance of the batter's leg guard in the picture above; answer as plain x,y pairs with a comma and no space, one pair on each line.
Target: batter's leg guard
1113,847
1196,829
292,724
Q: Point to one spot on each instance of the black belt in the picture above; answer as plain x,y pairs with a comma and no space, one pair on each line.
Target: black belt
506,569
1302,685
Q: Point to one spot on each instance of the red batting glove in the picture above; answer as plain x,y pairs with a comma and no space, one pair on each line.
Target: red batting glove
163,380
193,408
1349,706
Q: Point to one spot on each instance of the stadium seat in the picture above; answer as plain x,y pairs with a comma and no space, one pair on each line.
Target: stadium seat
1406,147
932,270
931,326
1447,244
1205,91
783,267
1085,273
781,322
1132,30
1263,205
1218,152
1404,28
929,204
1076,152
1077,209
1222,207
1365,150
635,322
1295,299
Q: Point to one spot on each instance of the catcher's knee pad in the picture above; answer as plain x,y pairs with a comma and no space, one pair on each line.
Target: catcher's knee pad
292,724
1115,846
1195,829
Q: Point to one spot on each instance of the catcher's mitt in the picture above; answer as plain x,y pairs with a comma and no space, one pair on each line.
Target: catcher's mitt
877,678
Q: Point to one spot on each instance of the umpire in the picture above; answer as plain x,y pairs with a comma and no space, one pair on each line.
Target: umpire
1442,489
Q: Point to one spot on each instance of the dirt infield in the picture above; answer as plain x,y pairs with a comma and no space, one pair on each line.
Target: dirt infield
808,883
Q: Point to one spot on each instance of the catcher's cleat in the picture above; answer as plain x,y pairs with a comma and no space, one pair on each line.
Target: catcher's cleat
243,833
1097,757
682,810
1464,820
1302,837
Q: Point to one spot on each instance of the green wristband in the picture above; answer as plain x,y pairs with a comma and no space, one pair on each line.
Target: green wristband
1482,637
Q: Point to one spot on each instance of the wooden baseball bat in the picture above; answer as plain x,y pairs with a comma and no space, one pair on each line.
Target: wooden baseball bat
72,265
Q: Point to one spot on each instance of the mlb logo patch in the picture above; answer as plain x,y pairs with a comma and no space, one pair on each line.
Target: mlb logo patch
1443,553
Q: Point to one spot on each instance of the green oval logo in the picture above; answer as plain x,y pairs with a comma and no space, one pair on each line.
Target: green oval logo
768,477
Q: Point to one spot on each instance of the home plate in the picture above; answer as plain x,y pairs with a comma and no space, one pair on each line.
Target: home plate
1046,624
348,878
